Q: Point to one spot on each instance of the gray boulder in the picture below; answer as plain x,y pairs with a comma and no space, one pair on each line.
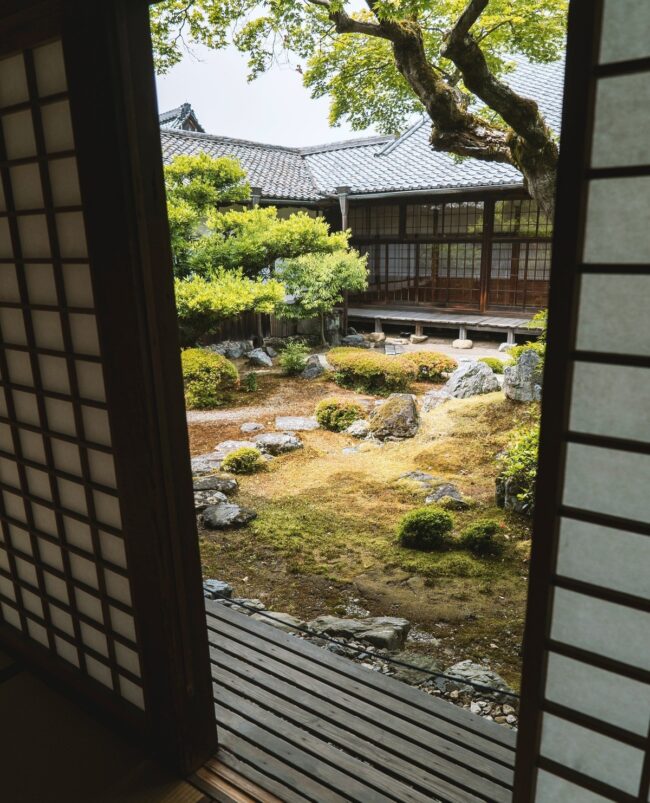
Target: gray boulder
233,349
276,443
216,589
283,621
203,499
433,399
259,357
376,337
206,463
418,338
313,368
506,496
471,379
522,381
355,340
243,605
251,426
358,429
226,485
225,516
271,351
224,448
384,632
296,423
416,659
448,496
396,419
483,675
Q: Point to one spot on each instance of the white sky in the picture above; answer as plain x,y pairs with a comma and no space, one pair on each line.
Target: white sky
275,108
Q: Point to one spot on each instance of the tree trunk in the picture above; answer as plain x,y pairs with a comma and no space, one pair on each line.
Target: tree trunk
260,331
323,339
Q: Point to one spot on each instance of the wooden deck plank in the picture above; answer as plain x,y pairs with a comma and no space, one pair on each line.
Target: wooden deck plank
246,760
485,737
445,319
389,754
217,767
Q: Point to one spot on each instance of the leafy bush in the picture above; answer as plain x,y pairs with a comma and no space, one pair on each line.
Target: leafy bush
244,461
208,378
337,415
537,346
494,363
370,370
250,382
519,466
426,528
293,358
430,365
480,539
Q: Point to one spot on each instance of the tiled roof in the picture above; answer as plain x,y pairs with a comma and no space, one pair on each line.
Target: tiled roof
182,117
374,164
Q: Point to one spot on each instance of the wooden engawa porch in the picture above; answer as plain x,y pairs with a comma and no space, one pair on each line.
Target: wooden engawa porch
297,722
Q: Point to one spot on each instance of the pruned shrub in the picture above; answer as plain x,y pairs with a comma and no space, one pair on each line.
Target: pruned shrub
538,346
208,378
371,371
519,471
246,460
250,382
430,365
482,539
426,528
337,414
494,363
293,358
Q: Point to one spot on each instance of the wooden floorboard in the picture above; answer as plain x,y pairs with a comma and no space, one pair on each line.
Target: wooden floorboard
443,319
305,724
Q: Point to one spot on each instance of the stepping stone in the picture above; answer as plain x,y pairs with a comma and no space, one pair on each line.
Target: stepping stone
296,423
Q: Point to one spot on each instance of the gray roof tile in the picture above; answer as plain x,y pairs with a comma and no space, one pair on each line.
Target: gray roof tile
373,164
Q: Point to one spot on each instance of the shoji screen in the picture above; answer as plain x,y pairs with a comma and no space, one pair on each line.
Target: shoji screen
99,567
586,712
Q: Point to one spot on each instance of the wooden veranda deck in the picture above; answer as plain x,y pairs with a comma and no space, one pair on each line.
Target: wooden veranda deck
301,723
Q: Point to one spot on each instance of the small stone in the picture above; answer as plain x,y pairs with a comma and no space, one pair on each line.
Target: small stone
358,429
206,463
418,338
505,347
259,357
225,448
448,496
376,337
462,344
226,515
500,720
251,426
475,708
203,499
270,351
294,423
511,719
354,340
276,443
508,709
226,485
217,589
433,399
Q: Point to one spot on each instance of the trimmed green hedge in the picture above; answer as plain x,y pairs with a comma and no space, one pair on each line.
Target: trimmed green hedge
479,538
430,365
337,414
371,371
494,363
244,461
208,378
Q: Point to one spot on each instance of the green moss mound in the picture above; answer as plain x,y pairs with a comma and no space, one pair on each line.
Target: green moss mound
337,414
494,363
427,528
371,371
481,538
208,379
430,365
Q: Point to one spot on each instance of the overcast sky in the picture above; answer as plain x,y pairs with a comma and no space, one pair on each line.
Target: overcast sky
275,108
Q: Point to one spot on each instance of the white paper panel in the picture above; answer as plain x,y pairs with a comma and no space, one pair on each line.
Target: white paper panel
599,329
617,232
607,481
592,754
603,695
18,130
13,81
605,557
26,186
604,628
622,111
50,69
625,30
611,400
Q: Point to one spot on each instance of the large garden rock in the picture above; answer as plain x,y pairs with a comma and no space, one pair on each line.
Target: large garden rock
385,632
483,675
203,499
471,379
507,493
260,358
376,337
418,338
296,423
224,448
396,419
226,485
523,381
226,515
358,429
283,621
275,443
233,349
447,495
355,340
206,463
251,426
313,367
